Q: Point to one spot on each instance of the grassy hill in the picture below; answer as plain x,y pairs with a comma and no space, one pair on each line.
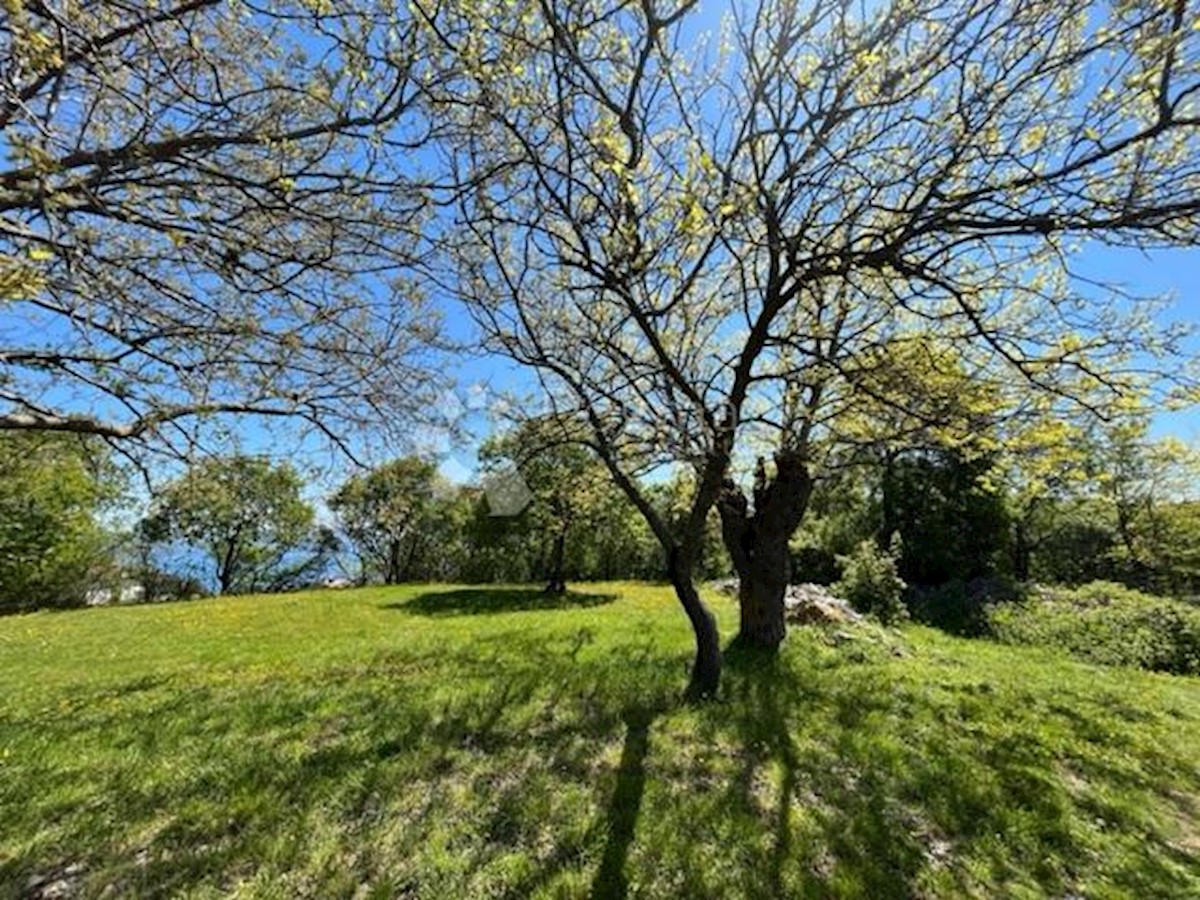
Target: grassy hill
439,742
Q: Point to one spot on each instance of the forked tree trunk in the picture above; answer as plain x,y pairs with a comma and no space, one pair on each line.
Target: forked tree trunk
758,545
706,669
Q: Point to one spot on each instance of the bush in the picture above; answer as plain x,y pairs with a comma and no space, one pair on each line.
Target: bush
814,565
870,582
1106,623
962,607
159,585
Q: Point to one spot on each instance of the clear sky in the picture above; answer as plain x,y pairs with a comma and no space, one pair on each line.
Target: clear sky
1174,273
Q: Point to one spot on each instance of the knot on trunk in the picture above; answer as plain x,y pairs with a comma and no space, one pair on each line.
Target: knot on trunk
731,500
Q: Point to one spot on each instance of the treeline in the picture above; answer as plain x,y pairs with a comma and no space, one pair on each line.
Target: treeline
243,524
549,513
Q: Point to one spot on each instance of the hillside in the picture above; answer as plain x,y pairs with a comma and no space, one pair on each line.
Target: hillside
439,742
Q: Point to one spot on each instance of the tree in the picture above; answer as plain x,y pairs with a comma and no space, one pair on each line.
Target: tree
1045,459
701,256
386,515
570,487
53,546
205,210
246,515
951,522
1146,484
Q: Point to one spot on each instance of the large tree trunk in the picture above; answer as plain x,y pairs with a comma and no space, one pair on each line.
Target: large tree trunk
706,669
758,545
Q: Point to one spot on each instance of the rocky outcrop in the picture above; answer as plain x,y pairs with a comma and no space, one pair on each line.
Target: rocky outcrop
806,604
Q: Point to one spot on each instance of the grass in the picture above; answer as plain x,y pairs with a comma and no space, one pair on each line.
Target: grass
439,742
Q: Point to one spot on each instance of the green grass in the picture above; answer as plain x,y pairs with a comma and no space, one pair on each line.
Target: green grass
442,743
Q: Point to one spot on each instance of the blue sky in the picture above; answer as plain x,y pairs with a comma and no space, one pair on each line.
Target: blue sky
1169,273
1174,273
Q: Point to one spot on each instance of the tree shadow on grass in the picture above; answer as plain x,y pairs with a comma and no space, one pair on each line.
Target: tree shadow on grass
869,795
814,776
611,882
482,601
354,753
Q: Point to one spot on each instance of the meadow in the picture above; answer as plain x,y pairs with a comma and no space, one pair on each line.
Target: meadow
437,742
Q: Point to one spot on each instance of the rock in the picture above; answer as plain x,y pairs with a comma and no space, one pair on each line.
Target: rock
805,604
813,604
57,890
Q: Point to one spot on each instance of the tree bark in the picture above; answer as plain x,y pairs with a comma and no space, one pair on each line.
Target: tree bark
227,563
391,571
556,583
758,545
706,669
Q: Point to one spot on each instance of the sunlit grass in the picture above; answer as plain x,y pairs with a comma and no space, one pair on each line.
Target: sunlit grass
433,742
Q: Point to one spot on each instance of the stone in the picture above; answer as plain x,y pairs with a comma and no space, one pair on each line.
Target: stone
805,604
813,604
58,890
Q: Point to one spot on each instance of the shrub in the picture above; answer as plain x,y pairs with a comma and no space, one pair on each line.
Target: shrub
870,582
814,565
1106,623
962,607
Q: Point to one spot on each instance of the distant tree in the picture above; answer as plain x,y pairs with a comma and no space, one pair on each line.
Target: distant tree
1103,501
1146,484
245,515
842,513
1178,548
1073,542
952,523
570,487
53,546
206,208
1044,462
387,515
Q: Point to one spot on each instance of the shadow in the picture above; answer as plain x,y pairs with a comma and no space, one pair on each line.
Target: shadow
516,765
622,815
482,601
841,774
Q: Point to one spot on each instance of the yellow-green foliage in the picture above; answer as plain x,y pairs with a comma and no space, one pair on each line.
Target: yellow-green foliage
52,548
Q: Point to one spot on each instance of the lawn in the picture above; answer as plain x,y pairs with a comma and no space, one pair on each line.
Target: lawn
442,743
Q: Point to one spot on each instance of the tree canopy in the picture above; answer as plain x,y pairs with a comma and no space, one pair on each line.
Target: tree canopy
207,207
699,246
386,513
244,514
54,548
